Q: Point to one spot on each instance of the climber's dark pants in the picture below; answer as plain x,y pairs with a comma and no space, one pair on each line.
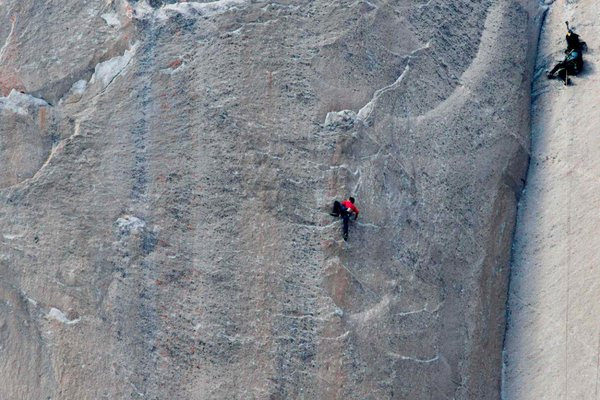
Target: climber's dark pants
560,65
337,208
565,68
346,220
341,211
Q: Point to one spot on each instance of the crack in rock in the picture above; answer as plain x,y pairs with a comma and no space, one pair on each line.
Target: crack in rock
8,38
365,112
347,118
106,72
414,359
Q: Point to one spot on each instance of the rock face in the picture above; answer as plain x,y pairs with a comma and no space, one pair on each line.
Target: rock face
552,347
168,172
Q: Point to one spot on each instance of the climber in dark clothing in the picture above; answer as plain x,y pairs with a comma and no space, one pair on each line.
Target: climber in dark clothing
573,62
571,65
344,210
573,40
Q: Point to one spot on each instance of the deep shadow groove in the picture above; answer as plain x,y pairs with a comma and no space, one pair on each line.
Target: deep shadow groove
520,195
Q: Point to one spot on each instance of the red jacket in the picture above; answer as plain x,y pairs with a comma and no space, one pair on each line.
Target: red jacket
349,205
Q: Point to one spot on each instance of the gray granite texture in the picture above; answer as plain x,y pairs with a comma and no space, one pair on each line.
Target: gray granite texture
552,346
167,172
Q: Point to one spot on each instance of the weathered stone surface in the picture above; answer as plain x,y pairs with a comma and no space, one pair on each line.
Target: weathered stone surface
552,344
171,238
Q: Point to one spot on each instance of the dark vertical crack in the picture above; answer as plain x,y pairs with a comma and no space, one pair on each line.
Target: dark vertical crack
147,326
520,194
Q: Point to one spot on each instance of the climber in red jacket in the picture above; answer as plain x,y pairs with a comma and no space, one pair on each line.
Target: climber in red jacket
345,209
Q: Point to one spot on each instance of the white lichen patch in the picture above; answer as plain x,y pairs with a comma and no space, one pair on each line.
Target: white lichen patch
344,117
21,103
111,19
201,9
105,72
79,86
12,236
75,93
129,224
59,316
188,9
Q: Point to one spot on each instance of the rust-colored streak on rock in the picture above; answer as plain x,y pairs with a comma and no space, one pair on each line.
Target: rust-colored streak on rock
42,117
175,63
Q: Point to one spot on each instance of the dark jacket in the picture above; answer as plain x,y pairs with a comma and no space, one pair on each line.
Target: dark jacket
574,42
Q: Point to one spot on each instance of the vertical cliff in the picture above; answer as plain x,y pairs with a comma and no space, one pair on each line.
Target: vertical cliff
552,346
169,172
